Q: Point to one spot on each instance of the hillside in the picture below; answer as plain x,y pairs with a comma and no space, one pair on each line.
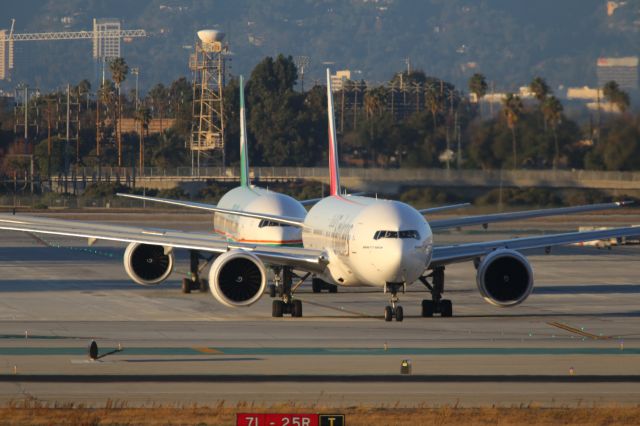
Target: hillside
506,40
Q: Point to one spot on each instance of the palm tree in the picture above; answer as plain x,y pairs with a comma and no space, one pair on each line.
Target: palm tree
512,108
552,111
119,70
84,88
105,96
159,95
375,101
615,95
540,89
142,116
478,86
432,101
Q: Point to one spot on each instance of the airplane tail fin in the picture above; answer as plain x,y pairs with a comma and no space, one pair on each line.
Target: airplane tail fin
244,154
334,171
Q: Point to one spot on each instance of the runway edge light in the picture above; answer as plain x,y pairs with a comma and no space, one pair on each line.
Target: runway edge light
405,366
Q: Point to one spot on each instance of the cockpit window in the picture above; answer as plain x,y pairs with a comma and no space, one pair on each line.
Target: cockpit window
410,234
265,222
385,234
395,234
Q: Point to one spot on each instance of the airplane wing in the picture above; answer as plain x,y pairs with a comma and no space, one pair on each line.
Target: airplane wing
443,208
299,258
286,220
443,255
484,220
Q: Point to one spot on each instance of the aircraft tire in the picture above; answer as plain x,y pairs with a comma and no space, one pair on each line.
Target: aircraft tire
388,313
186,285
296,309
427,308
277,308
399,314
446,308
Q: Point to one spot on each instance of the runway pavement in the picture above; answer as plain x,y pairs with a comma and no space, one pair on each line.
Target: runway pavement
575,341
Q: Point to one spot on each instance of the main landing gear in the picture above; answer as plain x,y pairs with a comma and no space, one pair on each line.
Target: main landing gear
394,310
317,285
437,305
194,282
287,304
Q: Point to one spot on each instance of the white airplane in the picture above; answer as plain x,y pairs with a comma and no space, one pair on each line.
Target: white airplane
348,241
230,227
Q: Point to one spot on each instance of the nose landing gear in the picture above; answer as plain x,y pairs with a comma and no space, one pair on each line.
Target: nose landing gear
437,305
393,310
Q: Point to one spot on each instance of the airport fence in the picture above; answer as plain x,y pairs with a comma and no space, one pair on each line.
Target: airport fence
124,173
18,190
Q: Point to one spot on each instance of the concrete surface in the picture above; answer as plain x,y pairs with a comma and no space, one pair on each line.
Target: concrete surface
57,295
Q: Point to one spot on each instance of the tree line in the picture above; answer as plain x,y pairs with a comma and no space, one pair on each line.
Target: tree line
414,120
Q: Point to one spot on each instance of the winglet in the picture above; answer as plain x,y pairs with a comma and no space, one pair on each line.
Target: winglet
244,155
334,171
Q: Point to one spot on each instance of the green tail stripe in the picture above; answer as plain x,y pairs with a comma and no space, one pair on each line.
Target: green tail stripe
244,155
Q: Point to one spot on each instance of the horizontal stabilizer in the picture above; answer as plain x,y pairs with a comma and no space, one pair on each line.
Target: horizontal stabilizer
284,220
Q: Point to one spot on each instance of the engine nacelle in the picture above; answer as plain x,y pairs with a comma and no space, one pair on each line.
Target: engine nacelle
505,278
237,278
147,264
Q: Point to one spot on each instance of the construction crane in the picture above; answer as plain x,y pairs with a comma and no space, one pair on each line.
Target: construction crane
106,36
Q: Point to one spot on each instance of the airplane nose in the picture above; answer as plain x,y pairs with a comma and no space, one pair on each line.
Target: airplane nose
411,262
401,261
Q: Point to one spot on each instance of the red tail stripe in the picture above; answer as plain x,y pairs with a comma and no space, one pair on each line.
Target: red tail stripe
333,175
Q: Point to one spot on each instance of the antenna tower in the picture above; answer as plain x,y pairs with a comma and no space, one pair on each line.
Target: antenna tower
208,66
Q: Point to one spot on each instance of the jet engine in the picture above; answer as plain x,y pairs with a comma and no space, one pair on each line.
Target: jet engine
148,264
237,278
505,278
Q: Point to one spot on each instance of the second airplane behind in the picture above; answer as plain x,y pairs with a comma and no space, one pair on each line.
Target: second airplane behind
231,227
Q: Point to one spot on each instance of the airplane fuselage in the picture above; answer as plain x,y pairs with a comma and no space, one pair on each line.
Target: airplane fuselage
368,241
250,230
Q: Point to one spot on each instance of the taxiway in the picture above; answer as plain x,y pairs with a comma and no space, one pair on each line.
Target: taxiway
575,341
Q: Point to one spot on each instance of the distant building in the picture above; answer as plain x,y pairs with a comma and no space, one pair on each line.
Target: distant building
623,71
498,97
593,99
155,125
6,55
584,93
338,79
106,48
604,106
612,6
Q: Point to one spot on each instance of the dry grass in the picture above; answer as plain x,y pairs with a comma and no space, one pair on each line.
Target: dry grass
118,413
